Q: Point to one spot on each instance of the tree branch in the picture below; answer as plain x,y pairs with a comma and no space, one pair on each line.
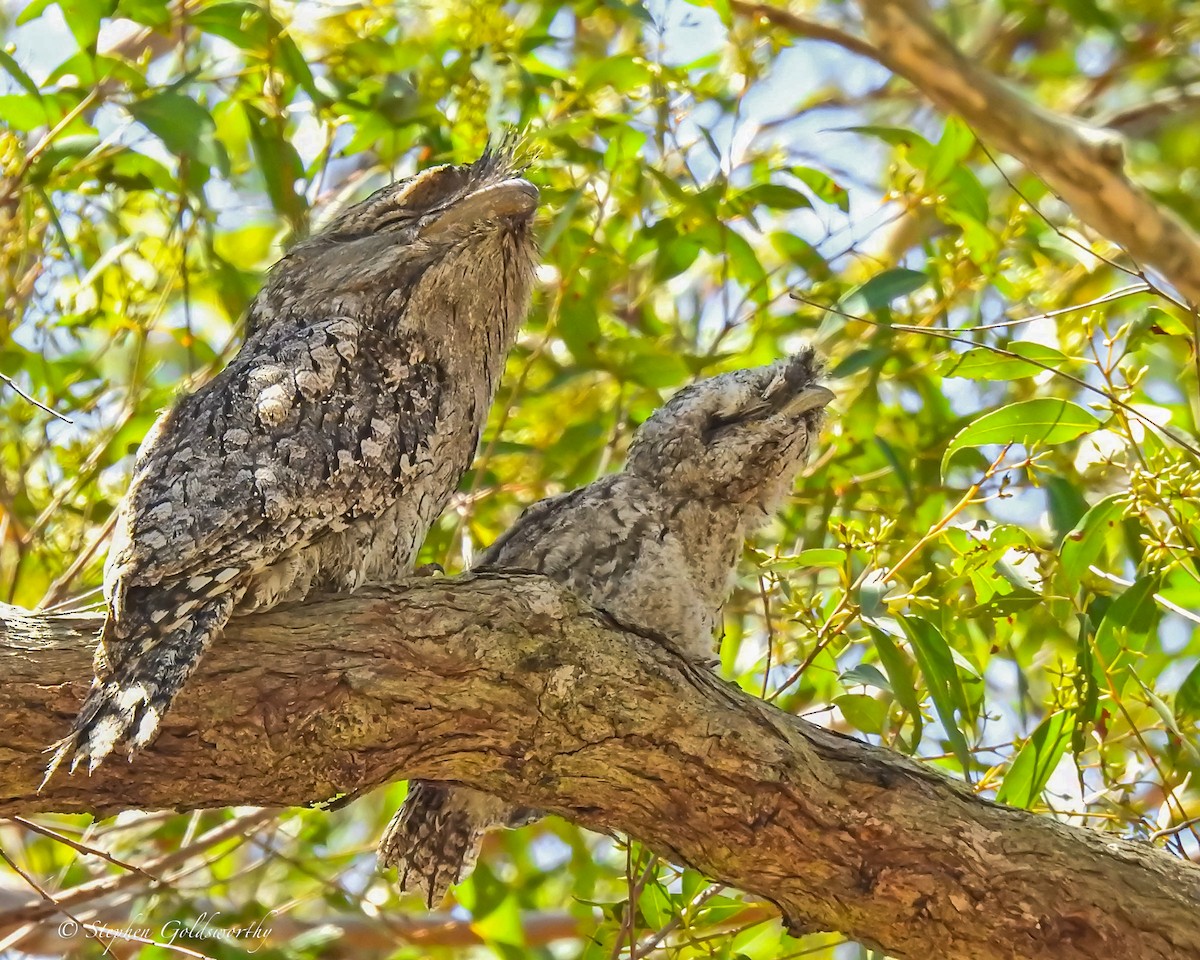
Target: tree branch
507,683
1083,164
1147,118
799,26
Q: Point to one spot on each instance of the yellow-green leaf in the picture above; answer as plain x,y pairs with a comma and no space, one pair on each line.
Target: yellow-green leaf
1044,421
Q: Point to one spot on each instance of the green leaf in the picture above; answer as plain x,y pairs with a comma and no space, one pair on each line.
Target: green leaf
22,111
646,363
136,171
279,164
1125,629
674,248
900,676
579,327
744,264
1036,760
66,151
618,74
984,363
869,358
25,112
1159,322
820,557
83,19
1002,606
32,10
296,67
758,942
89,69
150,13
624,145
1087,690
863,712
13,69
1159,706
242,24
965,195
672,189
502,925
800,252
1187,700
872,596
941,676
956,142
1065,504
184,127
882,289
867,674
1082,545
1044,421
918,147
718,910
823,186
655,905
899,467
826,557
773,195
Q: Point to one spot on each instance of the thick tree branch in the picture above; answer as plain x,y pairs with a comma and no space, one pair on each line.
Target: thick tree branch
508,684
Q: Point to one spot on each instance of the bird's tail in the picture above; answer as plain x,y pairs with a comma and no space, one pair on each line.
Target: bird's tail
435,837
141,664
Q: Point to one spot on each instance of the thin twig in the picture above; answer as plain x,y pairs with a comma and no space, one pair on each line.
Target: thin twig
82,847
37,403
106,886
54,904
1082,384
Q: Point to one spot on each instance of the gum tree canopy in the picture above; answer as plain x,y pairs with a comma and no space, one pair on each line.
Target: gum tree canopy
956,708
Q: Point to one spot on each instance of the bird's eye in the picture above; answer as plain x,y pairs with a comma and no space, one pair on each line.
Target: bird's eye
392,219
717,422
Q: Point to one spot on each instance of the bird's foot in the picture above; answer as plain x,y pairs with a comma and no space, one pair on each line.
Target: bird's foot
111,715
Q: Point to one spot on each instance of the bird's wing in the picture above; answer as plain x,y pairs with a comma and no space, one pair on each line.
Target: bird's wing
297,437
587,539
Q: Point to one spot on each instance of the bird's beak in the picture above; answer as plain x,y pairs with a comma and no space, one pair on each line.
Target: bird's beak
814,398
515,199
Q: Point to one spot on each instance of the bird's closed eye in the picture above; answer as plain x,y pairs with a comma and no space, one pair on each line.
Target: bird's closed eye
394,218
721,420
717,422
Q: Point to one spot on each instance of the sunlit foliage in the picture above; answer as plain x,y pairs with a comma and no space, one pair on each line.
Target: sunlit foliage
992,562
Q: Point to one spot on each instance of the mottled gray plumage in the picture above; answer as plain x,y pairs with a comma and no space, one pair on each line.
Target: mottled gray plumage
321,455
654,546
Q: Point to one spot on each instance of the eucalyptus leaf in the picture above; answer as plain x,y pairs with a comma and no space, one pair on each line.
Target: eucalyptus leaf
1042,422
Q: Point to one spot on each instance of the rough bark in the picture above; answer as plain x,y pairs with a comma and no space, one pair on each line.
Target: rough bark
507,684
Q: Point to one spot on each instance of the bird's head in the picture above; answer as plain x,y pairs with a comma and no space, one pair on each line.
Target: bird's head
440,205
739,437
452,232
